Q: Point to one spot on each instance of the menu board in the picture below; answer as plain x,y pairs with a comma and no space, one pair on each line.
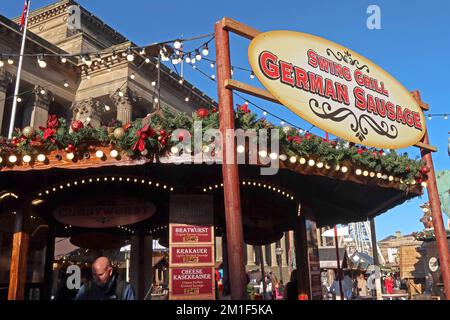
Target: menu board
191,264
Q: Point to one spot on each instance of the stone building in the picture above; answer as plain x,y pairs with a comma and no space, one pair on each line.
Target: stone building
100,88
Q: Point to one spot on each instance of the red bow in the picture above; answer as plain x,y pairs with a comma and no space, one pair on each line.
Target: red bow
143,134
244,108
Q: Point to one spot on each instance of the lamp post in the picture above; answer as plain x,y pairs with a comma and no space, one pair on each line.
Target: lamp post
279,253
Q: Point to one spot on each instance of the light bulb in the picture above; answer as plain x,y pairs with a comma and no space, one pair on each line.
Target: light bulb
70,156
193,60
41,158
198,56
114,153
12,159
10,61
188,58
293,159
99,154
283,157
240,149
42,91
66,84
63,59
1,63
205,50
302,161
252,75
107,108
186,99
19,99
263,153
358,172
147,60
132,76
153,83
344,169
41,62
130,56
212,65
311,162
26,158
174,149
177,44
273,156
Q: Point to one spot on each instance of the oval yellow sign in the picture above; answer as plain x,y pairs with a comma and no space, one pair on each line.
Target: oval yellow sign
336,89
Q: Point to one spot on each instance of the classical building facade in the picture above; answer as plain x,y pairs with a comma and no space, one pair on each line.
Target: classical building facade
107,86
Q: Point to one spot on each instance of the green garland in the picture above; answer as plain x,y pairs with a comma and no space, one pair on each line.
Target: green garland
58,136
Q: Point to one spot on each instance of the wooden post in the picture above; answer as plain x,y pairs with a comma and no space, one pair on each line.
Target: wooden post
301,256
438,222
233,215
435,205
18,267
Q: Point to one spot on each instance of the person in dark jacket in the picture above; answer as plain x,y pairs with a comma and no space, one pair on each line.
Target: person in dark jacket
106,284
291,288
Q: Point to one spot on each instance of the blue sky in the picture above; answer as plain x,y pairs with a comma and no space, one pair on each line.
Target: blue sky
413,45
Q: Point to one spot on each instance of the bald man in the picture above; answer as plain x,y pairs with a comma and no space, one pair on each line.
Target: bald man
105,284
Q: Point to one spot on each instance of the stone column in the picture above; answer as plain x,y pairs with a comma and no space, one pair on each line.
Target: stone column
39,108
264,255
250,255
88,111
4,82
124,103
273,255
285,251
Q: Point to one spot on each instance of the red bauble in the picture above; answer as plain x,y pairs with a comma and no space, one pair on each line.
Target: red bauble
202,113
308,136
425,170
70,148
76,125
159,138
214,110
162,132
360,151
163,141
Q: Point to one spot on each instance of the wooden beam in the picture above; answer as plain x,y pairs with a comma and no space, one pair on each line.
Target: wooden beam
426,146
254,91
18,268
239,28
416,95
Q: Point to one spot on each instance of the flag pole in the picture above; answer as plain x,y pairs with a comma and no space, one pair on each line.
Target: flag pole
19,71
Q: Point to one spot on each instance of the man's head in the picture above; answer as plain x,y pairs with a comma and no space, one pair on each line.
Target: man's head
101,270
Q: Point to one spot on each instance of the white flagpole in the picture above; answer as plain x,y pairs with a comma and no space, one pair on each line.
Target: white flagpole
19,71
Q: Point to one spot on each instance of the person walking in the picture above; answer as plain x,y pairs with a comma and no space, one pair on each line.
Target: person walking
362,286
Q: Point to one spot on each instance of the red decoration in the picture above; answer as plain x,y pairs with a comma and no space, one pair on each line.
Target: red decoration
182,135
297,139
244,108
408,168
214,110
290,138
143,135
360,151
202,113
308,136
70,148
76,125
126,126
52,121
425,170
162,132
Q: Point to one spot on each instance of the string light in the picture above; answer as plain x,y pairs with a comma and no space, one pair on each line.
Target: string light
205,50
177,44
130,55
10,61
198,56
41,62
